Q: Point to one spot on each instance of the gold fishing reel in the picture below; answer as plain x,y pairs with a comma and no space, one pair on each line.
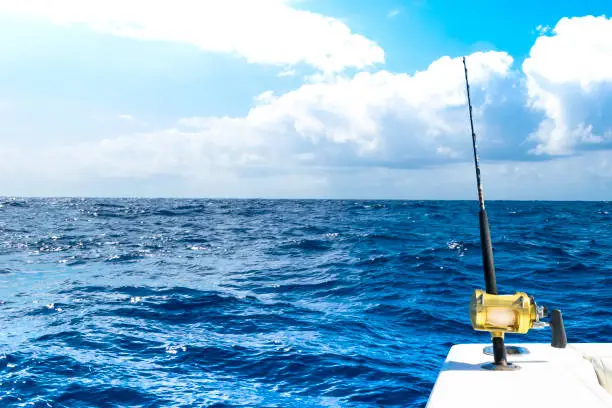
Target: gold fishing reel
500,314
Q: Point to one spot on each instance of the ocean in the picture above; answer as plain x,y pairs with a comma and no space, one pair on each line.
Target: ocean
273,303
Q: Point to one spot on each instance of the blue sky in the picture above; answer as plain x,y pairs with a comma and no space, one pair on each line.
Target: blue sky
305,98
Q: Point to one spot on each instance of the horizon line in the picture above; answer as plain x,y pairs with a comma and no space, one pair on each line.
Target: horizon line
10,197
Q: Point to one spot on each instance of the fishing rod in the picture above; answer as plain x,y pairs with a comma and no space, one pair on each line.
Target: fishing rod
499,349
500,314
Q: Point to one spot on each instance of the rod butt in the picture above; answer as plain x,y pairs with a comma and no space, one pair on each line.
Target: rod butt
559,337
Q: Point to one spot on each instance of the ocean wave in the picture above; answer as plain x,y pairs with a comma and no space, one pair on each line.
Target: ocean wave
303,303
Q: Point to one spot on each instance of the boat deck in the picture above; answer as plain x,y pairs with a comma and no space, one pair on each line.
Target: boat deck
548,377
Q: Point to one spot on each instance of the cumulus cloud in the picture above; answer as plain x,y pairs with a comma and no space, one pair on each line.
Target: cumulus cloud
377,119
569,79
263,32
382,118
379,130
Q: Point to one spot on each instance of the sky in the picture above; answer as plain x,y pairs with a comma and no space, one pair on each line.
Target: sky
305,98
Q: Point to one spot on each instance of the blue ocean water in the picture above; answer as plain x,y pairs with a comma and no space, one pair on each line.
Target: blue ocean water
272,303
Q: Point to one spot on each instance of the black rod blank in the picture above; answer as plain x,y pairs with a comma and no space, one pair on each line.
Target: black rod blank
485,233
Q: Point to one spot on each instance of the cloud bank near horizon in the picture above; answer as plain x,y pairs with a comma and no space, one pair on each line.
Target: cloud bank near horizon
350,123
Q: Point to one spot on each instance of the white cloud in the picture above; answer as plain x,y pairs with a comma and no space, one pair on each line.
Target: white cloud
365,136
153,173
569,79
264,31
374,133
372,119
383,117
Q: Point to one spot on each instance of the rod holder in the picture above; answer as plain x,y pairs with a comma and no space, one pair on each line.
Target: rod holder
499,351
